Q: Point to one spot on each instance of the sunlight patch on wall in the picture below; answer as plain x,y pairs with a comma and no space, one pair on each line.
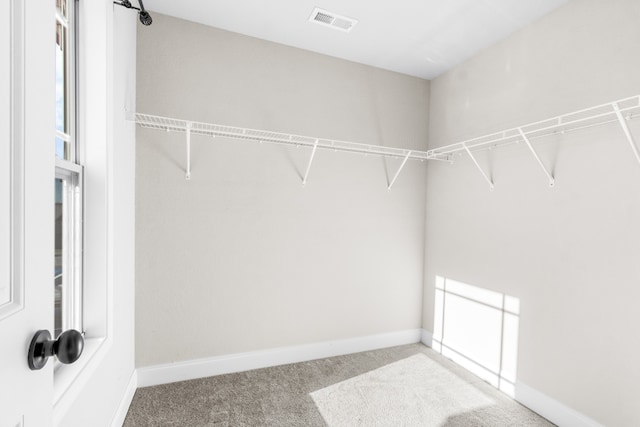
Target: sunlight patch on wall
478,329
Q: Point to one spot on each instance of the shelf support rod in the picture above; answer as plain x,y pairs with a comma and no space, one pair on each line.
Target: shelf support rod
188,132
478,165
313,153
552,180
627,132
398,172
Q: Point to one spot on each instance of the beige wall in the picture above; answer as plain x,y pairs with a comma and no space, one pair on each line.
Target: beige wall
570,253
242,257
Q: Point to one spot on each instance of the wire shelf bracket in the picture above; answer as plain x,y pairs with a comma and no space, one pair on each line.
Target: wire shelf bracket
399,170
537,157
313,153
475,161
627,132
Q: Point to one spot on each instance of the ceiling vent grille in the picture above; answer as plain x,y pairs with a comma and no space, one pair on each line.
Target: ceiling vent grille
333,20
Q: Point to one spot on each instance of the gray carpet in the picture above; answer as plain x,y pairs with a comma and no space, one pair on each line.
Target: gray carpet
409,385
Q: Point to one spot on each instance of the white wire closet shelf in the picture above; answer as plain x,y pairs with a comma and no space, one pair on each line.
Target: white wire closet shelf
215,130
618,111
246,134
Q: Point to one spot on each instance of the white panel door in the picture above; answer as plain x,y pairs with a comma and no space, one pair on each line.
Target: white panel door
27,112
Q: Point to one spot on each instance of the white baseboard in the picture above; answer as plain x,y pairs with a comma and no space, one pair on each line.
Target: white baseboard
553,410
426,338
125,402
200,368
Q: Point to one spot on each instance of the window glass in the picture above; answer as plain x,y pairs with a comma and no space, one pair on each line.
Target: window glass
67,251
58,256
60,78
62,93
61,5
61,148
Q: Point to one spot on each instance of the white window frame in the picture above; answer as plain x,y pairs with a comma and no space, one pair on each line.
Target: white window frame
93,26
70,171
71,175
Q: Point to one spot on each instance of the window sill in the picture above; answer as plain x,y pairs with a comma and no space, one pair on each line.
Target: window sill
68,380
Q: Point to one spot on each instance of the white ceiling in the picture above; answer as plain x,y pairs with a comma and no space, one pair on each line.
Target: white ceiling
422,38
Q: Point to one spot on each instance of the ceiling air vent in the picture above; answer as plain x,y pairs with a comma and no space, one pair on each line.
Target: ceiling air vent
333,20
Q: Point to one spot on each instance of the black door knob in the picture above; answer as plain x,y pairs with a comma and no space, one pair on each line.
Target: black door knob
68,348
